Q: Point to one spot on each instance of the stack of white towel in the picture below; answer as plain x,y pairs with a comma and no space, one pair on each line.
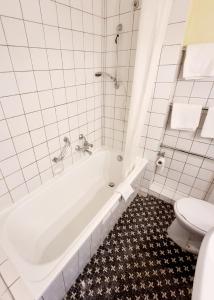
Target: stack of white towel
198,64
199,61
187,117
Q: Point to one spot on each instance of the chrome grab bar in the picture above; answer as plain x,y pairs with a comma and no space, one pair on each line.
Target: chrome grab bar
64,150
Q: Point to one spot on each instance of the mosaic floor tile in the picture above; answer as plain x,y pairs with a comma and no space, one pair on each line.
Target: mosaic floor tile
137,260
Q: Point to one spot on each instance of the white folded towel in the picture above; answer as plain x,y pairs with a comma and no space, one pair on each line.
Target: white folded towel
125,190
185,116
208,128
199,61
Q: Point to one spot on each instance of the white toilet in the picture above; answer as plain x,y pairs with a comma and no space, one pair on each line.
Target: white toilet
194,218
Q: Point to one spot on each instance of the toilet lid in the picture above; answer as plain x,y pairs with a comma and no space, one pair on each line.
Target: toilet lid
197,212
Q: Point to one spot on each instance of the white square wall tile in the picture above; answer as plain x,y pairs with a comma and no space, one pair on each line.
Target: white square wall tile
49,116
52,37
12,106
54,59
5,63
199,148
112,8
14,31
66,38
14,180
17,125
167,73
4,132
201,89
21,58
170,55
163,90
30,171
41,151
39,59
49,14
31,10
8,84
33,183
30,102
57,78
6,149
154,132
38,136
26,82
22,142
43,81
160,106
9,166
183,88
179,11
35,34
64,17
77,20
10,8
44,164
26,158
34,120
175,33
46,99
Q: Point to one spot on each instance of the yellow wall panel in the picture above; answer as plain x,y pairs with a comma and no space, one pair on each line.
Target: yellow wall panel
200,24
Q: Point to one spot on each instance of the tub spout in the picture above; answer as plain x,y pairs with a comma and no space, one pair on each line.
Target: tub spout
88,151
85,145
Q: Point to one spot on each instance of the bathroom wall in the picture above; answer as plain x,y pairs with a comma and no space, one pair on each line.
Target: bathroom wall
116,102
200,21
184,174
49,53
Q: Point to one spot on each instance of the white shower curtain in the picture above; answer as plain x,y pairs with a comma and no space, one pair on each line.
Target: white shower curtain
152,29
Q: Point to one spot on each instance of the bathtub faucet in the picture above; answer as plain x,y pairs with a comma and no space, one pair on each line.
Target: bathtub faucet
85,145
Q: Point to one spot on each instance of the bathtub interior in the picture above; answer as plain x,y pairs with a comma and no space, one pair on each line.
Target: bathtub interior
68,205
47,228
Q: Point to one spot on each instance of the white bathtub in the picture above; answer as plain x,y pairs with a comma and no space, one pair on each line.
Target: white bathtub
44,230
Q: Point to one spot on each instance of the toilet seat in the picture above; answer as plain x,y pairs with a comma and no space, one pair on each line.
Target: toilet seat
196,214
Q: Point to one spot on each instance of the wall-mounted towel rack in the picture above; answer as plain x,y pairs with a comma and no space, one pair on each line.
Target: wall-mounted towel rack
203,109
187,152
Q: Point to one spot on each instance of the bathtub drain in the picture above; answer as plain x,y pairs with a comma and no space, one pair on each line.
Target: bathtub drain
111,184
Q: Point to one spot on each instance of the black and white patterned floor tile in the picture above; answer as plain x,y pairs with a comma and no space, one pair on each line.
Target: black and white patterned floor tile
137,260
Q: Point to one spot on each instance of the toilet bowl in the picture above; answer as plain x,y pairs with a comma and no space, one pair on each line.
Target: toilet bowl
194,218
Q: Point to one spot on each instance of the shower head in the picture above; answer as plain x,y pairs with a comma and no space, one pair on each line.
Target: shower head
116,84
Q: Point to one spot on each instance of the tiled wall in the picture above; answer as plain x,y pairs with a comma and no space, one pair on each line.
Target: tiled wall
49,53
116,102
184,174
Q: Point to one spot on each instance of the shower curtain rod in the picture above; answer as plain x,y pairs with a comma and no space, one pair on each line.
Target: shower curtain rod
184,151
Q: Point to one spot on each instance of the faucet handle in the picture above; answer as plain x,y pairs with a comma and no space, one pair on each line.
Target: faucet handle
81,136
77,148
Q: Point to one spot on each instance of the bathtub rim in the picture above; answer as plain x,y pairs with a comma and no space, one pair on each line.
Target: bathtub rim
73,248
